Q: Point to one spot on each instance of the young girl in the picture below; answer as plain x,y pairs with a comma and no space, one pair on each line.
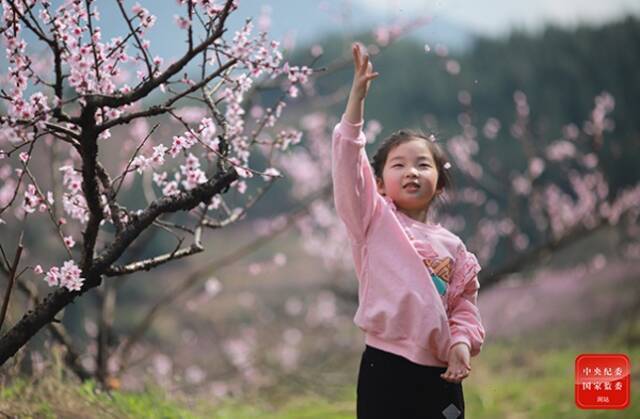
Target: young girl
418,284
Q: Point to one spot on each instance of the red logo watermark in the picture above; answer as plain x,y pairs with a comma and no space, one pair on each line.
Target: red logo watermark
603,381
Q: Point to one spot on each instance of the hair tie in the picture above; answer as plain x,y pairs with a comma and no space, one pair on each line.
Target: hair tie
447,165
432,138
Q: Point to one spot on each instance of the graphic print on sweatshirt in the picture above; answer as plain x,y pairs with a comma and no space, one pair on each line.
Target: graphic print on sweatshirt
441,270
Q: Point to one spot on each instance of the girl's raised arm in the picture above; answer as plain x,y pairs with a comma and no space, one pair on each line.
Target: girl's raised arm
362,77
354,185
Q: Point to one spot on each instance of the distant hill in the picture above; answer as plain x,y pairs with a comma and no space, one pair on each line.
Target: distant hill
560,70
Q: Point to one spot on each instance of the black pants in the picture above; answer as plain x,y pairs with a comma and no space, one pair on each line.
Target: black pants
390,386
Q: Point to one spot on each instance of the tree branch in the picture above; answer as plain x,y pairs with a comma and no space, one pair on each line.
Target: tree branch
44,312
195,276
166,107
153,83
147,264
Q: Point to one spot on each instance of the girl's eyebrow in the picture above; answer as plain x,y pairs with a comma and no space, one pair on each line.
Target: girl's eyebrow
419,158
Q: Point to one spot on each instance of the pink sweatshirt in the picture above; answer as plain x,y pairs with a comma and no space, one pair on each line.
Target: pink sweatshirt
400,309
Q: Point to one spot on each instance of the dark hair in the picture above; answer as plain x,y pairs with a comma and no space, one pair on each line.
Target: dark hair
445,181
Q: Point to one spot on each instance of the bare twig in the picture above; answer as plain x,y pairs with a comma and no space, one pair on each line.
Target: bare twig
147,264
134,33
12,278
126,169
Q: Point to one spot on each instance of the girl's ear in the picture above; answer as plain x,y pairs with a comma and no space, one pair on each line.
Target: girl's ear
380,185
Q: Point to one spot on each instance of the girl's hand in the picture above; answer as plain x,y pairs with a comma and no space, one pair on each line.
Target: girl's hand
459,366
362,75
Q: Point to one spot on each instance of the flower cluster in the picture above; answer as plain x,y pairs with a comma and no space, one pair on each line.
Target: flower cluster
34,201
74,202
67,277
19,62
192,172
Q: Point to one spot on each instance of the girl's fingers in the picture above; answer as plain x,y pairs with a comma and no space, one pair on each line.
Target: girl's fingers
356,56
455,376
365,64
372,76
362,65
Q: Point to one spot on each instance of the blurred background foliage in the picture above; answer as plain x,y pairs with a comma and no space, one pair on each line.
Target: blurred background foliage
560,70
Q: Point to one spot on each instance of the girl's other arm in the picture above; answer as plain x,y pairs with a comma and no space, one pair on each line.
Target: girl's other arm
465,322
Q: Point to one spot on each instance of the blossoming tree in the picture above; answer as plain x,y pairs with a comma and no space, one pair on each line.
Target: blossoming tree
62,102
555,194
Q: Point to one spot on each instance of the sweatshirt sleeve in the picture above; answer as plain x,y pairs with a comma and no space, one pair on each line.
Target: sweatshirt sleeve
354,187
465,322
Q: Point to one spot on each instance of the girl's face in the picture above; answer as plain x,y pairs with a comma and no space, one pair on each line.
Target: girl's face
410,178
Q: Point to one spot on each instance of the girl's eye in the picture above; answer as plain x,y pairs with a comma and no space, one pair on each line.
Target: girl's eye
425,165
397,165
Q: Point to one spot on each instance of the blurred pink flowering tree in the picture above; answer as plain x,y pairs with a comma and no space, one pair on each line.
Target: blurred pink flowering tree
555,193
64,103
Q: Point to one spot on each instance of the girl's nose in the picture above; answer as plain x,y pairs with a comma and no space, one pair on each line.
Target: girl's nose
412,171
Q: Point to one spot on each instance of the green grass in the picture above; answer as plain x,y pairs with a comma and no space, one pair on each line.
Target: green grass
527,379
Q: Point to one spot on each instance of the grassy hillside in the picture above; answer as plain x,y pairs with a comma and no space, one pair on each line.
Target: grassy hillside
514,380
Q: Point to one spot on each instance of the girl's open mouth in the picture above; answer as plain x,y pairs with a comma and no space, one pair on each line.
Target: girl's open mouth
411,187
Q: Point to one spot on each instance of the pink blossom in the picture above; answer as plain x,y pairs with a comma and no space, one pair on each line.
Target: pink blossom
491,128
170,189
464,97
536,167
193,175
316,50
191,114
213,287
242,171
570,132
241,186
53,276
521,185
324,309
70,276
215,203
140,164
157,159
453,67
442,50
69,242
590,160
279,259
264,20
381,35
31,199
287,137
292,91
182,22
372,128
76,207
160,178
560,150
254,269
271,172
